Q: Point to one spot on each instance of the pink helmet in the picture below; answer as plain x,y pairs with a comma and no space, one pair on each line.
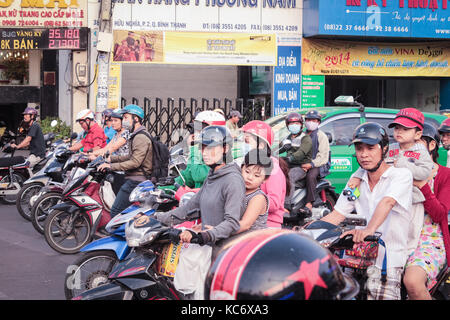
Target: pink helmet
29,110
260,129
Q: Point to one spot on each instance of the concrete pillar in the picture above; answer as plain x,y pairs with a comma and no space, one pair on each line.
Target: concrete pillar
79,78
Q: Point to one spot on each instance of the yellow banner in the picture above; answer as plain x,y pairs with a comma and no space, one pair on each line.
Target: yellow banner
220,48
329,57
138,46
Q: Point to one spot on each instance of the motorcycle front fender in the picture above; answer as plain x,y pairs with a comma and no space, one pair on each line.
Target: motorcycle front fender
116,244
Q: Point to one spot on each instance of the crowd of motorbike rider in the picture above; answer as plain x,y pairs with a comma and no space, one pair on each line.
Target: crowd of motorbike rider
404,200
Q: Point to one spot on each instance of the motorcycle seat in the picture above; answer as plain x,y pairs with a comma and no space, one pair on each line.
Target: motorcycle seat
12,161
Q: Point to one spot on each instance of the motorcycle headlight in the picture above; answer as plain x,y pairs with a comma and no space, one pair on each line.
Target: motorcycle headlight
141,231
138,195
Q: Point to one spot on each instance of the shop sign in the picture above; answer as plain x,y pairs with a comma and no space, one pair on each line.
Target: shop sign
43,13
313,91
342,58
378,18
286,80
239,16
35,39
194,48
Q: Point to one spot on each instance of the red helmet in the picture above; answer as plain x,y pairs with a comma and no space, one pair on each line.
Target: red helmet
445,126
293,117
274,264
260,129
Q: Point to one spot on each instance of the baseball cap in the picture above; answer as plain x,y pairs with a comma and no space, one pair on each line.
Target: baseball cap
235,113
409,118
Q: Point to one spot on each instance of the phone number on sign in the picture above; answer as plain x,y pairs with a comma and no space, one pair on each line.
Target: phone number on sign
349,27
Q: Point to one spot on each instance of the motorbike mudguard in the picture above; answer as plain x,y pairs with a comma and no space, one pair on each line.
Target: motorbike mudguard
116,244
38,178
109,291
65,207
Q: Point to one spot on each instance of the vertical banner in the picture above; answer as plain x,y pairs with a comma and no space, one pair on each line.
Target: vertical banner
286,80
313,91
114,85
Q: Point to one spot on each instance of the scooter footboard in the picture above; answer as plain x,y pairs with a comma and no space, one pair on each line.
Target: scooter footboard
109,291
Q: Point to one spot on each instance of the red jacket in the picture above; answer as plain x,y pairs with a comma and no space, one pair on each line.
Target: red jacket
94,138
437,204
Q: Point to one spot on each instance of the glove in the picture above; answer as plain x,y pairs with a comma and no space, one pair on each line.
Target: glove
203,238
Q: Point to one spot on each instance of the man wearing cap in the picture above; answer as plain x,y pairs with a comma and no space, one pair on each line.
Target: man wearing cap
34,138
409,153
232,123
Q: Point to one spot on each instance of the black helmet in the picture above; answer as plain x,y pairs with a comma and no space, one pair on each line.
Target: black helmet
445,126
215,135
371,133
293,117
431,132
275,264
313,114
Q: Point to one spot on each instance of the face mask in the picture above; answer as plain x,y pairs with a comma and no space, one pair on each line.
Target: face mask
127,125
245,148
311,125
294,128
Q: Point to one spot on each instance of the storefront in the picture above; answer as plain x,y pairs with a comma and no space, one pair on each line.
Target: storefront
201,49
36,42
389,54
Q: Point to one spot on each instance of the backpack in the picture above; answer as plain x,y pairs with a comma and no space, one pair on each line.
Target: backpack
160,159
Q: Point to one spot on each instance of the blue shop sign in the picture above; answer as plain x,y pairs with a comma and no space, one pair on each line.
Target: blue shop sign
287,80
426,19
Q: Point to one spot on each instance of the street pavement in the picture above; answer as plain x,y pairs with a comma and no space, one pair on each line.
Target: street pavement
29,268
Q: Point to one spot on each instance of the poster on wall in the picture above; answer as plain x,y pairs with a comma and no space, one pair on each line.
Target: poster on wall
342,58
220,48
43,14
138,46
287,80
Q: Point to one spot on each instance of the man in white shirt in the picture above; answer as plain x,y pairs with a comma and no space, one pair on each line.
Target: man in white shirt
385,201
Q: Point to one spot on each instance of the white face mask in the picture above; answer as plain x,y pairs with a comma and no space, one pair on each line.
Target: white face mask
127,125
311,125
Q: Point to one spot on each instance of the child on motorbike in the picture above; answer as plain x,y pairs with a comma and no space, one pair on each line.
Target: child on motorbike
259,135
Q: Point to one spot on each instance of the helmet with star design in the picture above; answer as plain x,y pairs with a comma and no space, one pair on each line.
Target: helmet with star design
277,264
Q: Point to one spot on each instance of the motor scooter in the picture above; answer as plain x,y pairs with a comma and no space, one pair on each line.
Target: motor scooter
85,210
92,268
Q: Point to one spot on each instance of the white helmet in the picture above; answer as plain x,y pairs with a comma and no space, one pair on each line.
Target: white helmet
85,114
210,118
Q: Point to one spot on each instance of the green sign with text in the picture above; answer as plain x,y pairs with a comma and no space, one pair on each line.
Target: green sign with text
313,91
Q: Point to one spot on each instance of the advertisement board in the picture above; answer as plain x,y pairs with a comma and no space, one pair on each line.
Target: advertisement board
333,57
220,48
313,91
427,19
43,13
287,80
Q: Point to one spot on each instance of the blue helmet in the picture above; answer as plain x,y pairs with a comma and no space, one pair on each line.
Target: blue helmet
134,109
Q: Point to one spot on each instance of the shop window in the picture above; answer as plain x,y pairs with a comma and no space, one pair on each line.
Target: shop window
14,67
